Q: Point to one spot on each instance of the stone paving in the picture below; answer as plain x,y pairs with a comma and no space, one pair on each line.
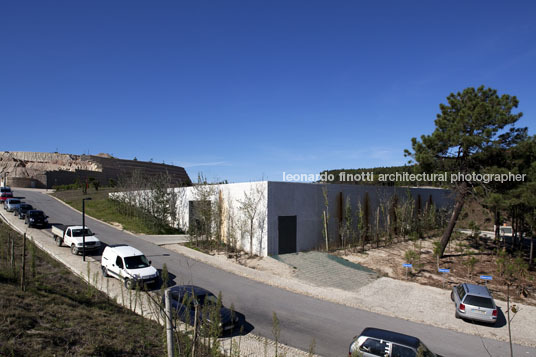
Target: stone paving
326,270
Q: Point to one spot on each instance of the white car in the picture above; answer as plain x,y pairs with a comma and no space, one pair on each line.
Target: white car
128,264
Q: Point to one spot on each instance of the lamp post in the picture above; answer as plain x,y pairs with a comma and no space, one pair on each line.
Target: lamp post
84,227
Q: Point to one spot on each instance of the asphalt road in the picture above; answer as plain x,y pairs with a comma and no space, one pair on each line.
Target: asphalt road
302,318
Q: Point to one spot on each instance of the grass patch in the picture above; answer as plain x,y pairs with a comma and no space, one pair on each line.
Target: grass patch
105,209
59,314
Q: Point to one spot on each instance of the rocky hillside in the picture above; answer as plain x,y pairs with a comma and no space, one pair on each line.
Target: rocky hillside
40,169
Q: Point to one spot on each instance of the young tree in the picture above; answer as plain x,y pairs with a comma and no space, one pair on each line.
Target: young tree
250,205
200,225
512,270
348,225
325,216
469,130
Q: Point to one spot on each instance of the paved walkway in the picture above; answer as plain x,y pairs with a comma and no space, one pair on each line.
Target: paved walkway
326,270
164,239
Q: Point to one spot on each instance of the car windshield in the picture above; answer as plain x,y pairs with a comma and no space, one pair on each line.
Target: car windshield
36,214
478,301
506,230
26,207
79,232
136,262
14,202
4,189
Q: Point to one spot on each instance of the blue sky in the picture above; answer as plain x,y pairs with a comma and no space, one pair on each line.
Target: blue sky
251,89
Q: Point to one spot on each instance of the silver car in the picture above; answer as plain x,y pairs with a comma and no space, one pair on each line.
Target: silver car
474,302
11,204
375,342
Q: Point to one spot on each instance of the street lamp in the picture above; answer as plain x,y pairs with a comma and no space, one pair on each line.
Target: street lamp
84,227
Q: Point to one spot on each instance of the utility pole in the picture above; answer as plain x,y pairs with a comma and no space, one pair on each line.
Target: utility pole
84,227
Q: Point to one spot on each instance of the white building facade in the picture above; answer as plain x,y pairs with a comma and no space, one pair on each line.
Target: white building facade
270,218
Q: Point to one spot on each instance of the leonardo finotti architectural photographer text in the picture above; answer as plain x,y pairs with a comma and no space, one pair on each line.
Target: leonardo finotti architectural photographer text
369,176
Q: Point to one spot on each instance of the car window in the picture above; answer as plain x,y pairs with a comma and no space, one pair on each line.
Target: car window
119,262
423,351
136,262
207,299
461,292
80,232
376,347
478,301
14,202
175,296
187,300
402,351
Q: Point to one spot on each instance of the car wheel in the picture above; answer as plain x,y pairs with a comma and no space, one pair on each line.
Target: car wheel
452,295
74,250
58,241
456,315
104,271
129,284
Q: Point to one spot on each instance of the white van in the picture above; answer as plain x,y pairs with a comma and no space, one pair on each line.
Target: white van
128,264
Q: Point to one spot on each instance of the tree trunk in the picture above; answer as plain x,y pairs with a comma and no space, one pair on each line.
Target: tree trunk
460,199
531,254
497,225
251,237
508,318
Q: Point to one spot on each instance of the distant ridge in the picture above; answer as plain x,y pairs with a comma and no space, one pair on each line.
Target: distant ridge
45,170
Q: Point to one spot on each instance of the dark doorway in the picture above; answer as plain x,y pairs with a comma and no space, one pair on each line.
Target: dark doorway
287,234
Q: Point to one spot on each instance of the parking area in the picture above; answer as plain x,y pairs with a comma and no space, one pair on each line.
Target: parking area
326,270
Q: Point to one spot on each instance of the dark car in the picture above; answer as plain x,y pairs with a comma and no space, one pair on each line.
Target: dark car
186,298
376,342
22,209
36,218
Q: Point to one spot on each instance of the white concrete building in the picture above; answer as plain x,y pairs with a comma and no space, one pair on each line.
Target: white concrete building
288,216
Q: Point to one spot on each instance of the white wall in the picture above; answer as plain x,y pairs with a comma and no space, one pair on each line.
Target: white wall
233,196
303,200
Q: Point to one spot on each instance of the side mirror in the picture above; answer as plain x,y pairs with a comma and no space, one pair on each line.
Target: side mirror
150,262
